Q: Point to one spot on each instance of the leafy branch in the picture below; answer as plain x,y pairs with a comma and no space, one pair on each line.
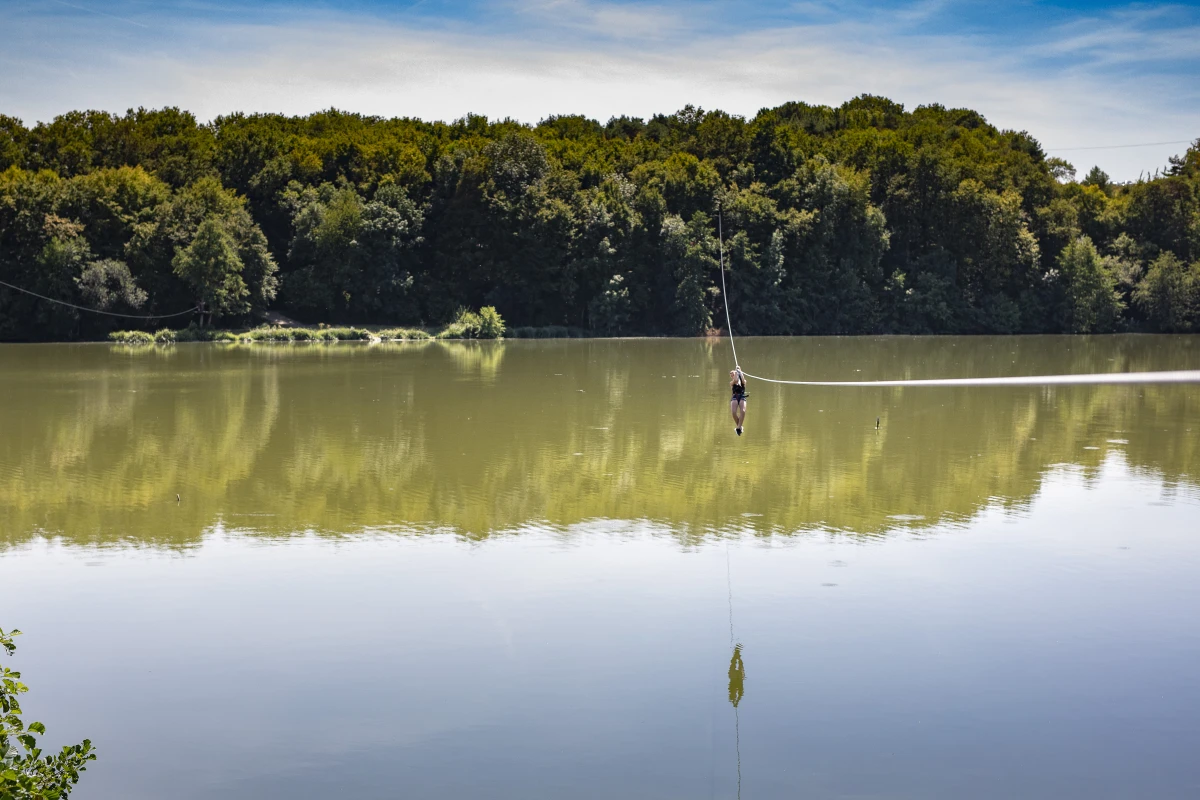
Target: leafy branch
25,772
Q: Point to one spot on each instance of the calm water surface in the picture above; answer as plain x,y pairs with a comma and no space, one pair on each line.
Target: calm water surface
551,570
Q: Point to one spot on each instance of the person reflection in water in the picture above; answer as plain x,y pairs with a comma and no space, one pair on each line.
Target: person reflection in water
737,404
737,676
737,688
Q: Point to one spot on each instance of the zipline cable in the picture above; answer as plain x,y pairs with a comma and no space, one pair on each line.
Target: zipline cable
1171,376
191,310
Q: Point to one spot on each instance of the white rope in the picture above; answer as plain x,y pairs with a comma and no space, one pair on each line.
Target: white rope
725,294
1174,376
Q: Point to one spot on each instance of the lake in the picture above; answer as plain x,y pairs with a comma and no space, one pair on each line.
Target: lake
551,570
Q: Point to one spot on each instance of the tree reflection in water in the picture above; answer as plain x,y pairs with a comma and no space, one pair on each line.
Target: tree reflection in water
737,688
337,439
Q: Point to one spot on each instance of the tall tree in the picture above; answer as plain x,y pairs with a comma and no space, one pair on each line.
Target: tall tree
211,266
1092,302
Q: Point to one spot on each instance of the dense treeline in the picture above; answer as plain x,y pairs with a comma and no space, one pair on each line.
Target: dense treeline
858,219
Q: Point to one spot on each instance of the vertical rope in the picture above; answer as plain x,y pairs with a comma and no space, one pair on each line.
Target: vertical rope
724,292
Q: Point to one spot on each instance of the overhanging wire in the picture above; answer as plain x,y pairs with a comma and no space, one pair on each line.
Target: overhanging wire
191,310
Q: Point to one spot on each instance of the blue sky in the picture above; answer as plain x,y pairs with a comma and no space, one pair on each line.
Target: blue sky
1076,75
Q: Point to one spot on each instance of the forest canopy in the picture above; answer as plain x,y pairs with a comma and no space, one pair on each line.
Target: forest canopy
865,218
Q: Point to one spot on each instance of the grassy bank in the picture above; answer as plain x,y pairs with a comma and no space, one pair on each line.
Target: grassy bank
280,334
265,334
484,324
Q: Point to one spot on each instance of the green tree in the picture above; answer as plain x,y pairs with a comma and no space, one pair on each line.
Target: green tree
25,772
1093,303
353,258
1165,214
610,310
690,248
1098,178
997,254
1061,169
154,245
12,142
833,244
107,284
1169,294
491,324
211,266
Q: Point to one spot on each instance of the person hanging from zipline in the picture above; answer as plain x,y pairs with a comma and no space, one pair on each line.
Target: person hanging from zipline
737,403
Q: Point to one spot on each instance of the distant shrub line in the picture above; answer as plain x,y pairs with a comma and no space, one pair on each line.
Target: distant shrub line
484,324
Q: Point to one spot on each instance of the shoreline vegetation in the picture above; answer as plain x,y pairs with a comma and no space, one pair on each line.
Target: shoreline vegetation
266,334
467,324
484,324
865,218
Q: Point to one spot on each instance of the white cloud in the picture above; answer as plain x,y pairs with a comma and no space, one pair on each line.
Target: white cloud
589,58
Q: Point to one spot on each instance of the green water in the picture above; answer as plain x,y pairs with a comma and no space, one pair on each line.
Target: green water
522,569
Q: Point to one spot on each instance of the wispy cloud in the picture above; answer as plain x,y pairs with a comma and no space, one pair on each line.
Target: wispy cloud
608,20
1144,35
1103,79
100,13
922,10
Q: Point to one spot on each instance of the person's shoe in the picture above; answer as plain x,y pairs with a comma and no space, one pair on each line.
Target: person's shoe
739,431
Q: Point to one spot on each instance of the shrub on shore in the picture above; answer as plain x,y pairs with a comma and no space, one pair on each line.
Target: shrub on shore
194,334
131,337
491,324
467,324
347,335
403,334
267,334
